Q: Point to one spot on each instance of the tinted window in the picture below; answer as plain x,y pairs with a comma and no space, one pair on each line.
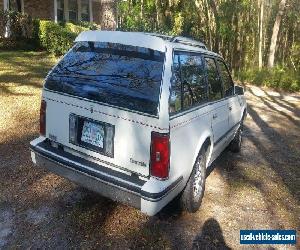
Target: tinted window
226,79
214,81
175,92
188,86
193,80
124,76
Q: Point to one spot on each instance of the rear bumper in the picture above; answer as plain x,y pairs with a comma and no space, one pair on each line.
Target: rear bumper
118,186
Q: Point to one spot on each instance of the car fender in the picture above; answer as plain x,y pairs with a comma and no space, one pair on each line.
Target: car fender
207,134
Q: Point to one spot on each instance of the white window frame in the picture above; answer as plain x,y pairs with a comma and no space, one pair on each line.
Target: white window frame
76,11
66,10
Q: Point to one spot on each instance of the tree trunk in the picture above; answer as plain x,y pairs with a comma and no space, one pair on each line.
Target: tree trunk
217,20
108,15
236,45
275,33
141,10
208,25
260,62
159,16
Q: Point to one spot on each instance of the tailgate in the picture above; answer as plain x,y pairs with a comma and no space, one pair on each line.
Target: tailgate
114,137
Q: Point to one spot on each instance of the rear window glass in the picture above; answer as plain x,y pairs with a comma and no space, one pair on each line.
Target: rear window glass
115,74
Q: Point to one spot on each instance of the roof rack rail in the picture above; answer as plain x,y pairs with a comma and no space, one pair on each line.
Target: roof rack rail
165,37
188,41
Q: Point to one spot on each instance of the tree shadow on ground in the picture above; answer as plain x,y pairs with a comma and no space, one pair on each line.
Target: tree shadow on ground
280,101
6,90
272,108
211,237
282,159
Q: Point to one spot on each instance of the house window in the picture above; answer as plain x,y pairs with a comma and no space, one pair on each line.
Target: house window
73,10
85,15
60,10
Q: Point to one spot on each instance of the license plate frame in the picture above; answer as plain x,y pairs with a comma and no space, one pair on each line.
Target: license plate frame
107,148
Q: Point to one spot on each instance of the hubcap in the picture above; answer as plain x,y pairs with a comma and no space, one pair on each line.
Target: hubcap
197,187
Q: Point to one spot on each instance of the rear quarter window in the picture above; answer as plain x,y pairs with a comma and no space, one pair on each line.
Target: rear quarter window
226,78
188,86
214,82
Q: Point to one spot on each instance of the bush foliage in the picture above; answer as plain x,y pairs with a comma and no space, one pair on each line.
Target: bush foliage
20,25
278,78
58,38
22,32
27,33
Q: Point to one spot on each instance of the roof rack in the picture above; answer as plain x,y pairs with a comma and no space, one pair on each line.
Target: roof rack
180,39
165,37
188,41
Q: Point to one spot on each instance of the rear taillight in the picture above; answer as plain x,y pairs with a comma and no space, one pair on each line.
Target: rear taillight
43,118
160,155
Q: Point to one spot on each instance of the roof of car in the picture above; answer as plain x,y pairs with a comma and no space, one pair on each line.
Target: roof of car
153,41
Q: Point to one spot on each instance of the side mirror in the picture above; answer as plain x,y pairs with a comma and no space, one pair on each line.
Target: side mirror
238,90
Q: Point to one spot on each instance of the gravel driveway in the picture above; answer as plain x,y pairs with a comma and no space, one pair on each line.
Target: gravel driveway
256,189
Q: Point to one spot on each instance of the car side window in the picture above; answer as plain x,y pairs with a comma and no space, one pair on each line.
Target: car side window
175,92
214,82
188,85
226,78
193,80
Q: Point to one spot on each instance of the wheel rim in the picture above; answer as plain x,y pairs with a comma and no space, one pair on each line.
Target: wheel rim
197,187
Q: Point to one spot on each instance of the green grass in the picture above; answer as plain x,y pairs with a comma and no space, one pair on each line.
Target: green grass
23,68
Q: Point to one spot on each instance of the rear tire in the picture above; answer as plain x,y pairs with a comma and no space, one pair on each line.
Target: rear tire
192,195
236,144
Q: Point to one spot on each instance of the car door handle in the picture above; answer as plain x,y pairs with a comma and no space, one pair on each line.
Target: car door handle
215,116
230,108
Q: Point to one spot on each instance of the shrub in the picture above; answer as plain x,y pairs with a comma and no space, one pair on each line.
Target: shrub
20,25
56,38
28,33
3,22
23,31
278,78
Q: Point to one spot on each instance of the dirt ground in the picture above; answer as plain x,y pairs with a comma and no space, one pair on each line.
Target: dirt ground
255,189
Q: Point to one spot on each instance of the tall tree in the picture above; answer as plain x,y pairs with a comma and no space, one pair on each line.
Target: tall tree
214,8
261,16
275,33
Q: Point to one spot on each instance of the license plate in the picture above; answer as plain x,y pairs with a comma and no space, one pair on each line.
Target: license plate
93,134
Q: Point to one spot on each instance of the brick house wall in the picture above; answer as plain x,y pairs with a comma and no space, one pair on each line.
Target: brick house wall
43,9
104,12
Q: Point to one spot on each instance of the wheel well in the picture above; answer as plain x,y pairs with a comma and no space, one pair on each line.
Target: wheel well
206,146
244,115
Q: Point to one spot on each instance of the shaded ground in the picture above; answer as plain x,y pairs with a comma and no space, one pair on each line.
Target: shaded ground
256,189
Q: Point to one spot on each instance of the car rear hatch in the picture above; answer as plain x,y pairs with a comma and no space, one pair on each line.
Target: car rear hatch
102,102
